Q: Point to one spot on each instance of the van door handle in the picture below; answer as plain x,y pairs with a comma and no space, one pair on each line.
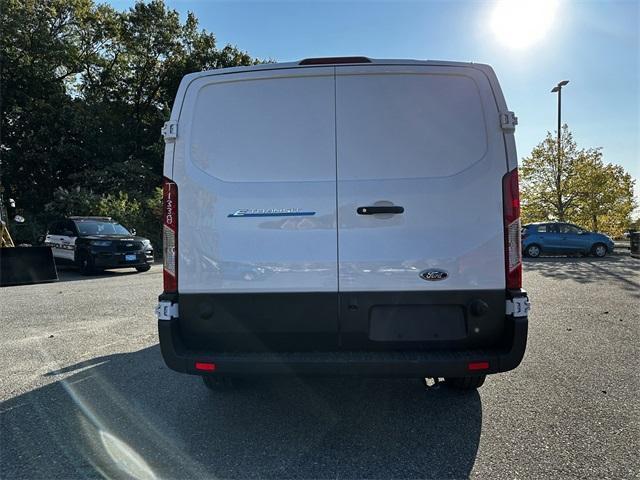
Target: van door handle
379,209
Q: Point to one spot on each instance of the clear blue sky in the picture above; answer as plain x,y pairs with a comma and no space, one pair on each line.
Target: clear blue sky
594,44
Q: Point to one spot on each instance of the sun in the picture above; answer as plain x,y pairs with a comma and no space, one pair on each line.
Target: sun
522,23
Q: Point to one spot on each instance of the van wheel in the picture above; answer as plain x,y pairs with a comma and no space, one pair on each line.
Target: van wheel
85,264
144,268
599,250
465,383
218,383
533,251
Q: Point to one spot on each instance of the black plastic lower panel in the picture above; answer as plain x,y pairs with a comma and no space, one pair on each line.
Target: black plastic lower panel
326,321
262,322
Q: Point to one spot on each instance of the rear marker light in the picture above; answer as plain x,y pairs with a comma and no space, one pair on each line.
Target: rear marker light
206,366
478,366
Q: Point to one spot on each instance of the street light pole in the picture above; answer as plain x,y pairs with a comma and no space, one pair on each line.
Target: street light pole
558,89
559,115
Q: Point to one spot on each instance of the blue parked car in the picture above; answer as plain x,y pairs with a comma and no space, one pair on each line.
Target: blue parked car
563,238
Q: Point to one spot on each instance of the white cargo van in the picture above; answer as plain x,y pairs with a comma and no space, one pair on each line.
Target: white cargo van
342,216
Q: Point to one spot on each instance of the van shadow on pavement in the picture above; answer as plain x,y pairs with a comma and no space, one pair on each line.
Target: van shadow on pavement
128,416
620,269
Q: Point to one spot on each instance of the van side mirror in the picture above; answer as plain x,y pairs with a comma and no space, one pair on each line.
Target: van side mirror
133,231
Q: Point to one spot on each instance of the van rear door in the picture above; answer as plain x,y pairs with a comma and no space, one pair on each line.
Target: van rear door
420,161
255,167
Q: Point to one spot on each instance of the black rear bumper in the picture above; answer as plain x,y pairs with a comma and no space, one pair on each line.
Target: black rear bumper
437,363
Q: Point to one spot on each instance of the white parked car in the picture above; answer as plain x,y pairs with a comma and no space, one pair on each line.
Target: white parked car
342,216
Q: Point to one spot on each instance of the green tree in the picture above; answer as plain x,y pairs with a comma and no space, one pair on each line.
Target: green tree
40,51
84,91
576,186
547,178
605,196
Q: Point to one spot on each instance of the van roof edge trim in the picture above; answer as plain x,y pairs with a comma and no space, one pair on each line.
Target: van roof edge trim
299,64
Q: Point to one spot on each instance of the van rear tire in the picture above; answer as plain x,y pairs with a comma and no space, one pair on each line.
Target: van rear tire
465,383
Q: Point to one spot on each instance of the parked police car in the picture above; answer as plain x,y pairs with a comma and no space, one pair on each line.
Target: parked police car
95,243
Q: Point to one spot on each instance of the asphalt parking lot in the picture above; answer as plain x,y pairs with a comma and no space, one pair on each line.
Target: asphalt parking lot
85,394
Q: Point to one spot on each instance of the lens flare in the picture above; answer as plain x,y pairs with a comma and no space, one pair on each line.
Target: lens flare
519,24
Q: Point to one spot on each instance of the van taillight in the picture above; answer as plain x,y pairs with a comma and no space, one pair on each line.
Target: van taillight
512,242
170,235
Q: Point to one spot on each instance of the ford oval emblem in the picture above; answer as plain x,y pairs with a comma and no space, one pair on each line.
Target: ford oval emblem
433,275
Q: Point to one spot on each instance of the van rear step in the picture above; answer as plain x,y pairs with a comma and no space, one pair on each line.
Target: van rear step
339,363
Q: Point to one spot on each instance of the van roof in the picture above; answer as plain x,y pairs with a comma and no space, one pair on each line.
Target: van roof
332,61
